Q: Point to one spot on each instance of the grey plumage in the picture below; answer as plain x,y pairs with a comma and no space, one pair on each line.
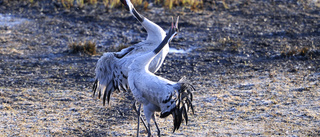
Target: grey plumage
112,68
158,94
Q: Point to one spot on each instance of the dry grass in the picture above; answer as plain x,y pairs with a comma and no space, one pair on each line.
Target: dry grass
240,105
229,44
117,48
193,4
50,95
295,51
87,47
255,104
107,3
309,3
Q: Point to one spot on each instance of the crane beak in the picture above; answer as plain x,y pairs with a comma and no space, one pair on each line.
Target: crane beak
173,31
176,25
171,22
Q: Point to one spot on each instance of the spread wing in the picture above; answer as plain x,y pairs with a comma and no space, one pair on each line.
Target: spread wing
109,75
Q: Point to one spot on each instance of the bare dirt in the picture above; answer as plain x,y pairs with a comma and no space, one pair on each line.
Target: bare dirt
255,65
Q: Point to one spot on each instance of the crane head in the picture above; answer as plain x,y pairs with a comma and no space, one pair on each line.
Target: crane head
173,31
127,4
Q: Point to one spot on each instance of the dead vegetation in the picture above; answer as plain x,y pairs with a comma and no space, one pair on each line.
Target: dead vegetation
303,52
192,4
117,47
87,47
241,89
229,44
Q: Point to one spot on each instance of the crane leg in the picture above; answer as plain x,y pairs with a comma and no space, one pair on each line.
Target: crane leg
138,120
139,116
157,128
154,119
149,131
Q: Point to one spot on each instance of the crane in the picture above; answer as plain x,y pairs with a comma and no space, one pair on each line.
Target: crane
158,94
112,68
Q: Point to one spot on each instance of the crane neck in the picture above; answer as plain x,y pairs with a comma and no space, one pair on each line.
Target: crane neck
142,62
162,44
155,32
138,16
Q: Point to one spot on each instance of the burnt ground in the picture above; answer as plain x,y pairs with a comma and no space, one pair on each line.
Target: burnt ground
255,65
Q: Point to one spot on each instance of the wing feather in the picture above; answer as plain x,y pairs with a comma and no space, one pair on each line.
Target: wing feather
183,102
108,76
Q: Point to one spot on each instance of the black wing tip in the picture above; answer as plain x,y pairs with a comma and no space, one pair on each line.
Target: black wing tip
94,87
107,92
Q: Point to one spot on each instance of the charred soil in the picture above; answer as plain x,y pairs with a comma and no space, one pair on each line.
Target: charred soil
255,65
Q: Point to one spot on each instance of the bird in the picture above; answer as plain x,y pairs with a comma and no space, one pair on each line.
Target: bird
112,68
156,93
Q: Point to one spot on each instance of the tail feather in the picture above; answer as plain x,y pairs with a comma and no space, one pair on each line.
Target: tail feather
177,119
184,110
183,104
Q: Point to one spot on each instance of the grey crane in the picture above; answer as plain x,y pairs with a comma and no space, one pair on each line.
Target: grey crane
158,94
112,68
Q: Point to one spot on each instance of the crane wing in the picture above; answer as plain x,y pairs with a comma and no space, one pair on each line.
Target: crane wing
109,76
